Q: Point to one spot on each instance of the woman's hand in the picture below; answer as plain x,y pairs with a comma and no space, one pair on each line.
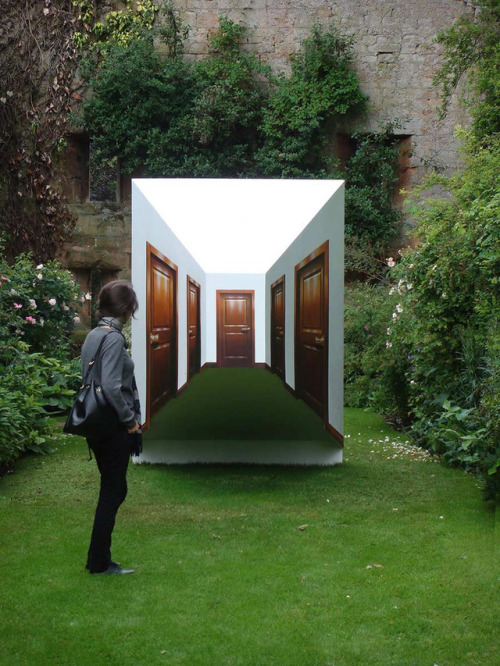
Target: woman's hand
134,428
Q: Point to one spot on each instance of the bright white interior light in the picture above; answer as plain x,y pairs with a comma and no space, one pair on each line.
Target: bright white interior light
237,226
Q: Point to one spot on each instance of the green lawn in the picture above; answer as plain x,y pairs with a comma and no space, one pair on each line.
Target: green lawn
394,564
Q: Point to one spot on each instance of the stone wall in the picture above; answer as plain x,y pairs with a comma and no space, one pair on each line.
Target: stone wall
396,58
395,54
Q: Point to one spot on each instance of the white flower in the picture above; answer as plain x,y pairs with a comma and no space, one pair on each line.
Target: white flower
391,262
88,297
388,344
388,331
39,267
42,321
82,299
65,307
32,303
3,100
52,301
76,320
444,295
399,308
13,292
392,290
394,316
409,285
410,266
40,276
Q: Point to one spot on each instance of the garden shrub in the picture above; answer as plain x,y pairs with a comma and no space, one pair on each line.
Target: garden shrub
305,107
366,310
446,314
371,174
228,116
37,314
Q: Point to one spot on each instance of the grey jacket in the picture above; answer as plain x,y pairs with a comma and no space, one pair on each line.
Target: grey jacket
117,371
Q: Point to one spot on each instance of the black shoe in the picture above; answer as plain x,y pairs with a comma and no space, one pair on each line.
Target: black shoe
114,568
115,564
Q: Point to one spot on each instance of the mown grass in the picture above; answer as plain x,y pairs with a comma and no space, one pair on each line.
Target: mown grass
395,563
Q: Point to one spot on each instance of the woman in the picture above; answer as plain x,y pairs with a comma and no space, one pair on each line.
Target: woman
117,303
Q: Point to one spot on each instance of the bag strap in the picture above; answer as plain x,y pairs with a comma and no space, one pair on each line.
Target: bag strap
96,357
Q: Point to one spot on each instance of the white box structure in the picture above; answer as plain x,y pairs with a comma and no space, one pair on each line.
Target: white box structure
240,235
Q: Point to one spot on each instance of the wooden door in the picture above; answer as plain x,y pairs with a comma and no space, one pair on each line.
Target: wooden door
278,327
235,329
161,330
311,334
193,327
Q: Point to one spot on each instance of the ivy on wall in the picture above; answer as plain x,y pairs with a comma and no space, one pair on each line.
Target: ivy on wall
40,56
228,116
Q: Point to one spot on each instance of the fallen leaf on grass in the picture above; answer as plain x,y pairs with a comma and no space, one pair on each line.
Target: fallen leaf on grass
302,527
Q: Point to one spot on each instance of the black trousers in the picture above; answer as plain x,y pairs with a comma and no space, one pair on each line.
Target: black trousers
112,455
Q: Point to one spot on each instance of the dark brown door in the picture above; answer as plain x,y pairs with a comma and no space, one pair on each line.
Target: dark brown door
162,330
311,355
194,340
278,327
235,329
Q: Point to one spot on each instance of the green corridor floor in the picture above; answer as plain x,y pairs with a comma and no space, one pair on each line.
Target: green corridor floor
236,404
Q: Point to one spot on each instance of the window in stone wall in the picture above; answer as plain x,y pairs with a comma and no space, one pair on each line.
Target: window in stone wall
75,168
103,179
347,145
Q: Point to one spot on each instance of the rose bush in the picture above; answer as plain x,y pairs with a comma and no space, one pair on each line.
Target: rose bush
38,379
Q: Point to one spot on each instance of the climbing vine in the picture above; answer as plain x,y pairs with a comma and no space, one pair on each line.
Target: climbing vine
40,53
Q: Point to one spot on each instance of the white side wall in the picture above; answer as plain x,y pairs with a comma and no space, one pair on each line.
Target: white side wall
328,224
149,226
234,282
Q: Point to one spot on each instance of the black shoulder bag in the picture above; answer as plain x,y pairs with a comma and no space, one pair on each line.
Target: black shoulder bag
91,415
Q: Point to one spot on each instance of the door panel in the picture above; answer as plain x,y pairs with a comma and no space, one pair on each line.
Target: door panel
162,330
194,339
278,328
312,331
235,334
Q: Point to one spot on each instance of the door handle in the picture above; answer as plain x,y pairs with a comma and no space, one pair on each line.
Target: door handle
154,338
245,330
319,340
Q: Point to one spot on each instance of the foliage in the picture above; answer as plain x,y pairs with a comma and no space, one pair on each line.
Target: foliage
371,173
472,51
119,26
446,314
40,48
217,133
38,62
37,314
305,107
366,312
225,115
37,307
228,116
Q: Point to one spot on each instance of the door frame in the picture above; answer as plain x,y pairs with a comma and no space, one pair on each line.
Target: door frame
280,280
150,252
219,293
322,249
197,286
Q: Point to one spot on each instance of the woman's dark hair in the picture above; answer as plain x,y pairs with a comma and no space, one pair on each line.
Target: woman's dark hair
117,299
